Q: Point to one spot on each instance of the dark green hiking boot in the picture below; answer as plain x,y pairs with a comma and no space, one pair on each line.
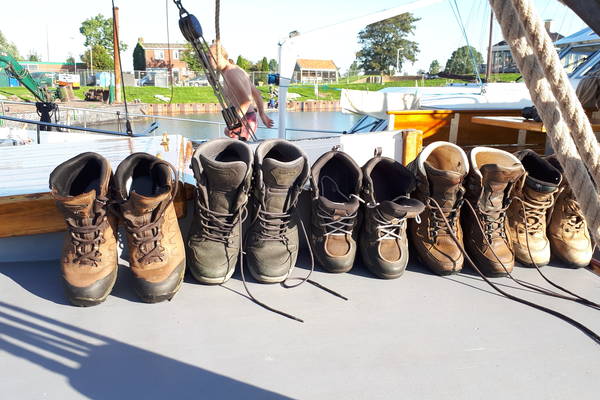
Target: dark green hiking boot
336,181
383,241
281,169
223,172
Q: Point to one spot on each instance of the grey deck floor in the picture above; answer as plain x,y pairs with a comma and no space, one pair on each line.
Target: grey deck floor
417,337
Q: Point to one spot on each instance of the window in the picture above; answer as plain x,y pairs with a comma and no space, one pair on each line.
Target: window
176,54
159,54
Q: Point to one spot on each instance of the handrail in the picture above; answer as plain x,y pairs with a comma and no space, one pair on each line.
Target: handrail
75,128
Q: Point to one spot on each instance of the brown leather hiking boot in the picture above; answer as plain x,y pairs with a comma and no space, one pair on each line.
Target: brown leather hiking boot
336,181
534,195
223,172
281,169
144,189
383,241
489,191
89,256
567,229
440,170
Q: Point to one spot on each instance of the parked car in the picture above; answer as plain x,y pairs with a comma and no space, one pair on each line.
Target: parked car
198,81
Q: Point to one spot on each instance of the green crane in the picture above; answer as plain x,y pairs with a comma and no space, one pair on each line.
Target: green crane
45,99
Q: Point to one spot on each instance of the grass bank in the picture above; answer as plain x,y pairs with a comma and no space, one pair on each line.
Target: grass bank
205,94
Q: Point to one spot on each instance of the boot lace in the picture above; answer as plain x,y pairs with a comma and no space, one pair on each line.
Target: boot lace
336,225
493,224
87,235
273,225
216,226
575,219
147,237
439,216
534,212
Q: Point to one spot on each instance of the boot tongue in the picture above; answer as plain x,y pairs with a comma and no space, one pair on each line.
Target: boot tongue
140,208
496,178
400,208
78,206
538,189
339,209
444,185
279,177
223,181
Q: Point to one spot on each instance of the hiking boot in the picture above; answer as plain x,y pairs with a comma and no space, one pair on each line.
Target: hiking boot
383,241
534,195
489,191
223,172
567,230
145,188
281,169
80,187
440,170
336,181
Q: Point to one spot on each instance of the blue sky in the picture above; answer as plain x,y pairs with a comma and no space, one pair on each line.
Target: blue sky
252,28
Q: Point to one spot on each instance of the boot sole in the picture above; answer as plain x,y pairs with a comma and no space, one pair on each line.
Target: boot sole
265,278
80,301
212,281
157,298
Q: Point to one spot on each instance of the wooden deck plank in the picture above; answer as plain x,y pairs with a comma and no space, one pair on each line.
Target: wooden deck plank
517,123
26,206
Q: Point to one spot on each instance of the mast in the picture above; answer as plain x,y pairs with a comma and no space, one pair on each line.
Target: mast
488,70
117,56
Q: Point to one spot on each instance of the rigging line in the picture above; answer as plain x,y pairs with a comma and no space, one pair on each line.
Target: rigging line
464,32
116,31
170,65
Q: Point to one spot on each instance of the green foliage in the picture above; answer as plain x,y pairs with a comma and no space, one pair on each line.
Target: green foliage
101,59
273,65
70,60
139,58
381,40
460,61
434,67
8,47
98,31
33,56
264,65
243,63
190,57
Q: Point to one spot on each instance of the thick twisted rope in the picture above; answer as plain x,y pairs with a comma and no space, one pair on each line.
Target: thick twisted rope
218,27
550,111
569,104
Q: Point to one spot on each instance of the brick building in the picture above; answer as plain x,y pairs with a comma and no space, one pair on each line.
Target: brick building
157,56
315,71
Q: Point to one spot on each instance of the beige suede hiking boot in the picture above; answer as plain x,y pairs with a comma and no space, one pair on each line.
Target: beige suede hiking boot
440,170
568,232
144,189
81,188
489,191
272,244
533,197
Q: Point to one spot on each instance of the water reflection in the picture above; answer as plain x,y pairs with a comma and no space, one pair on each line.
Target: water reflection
318,120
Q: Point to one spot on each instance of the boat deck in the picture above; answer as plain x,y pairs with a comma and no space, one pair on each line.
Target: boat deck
419,336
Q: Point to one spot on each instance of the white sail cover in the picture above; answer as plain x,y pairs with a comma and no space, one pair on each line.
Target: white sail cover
376,104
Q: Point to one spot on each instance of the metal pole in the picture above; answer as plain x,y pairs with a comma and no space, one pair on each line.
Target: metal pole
283,89
117,56
488,70
398,60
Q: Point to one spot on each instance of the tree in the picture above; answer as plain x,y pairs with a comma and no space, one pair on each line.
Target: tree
8,47
139,58
273,65
70,60
461,60
101,58
190,57
434,67
243,63
264,65
382,40
98,31
33,56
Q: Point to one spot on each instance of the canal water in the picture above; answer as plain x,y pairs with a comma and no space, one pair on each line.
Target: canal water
213,127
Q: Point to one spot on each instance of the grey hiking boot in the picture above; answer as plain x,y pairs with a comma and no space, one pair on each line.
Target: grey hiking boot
281,169
223,172
383,241
336,181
